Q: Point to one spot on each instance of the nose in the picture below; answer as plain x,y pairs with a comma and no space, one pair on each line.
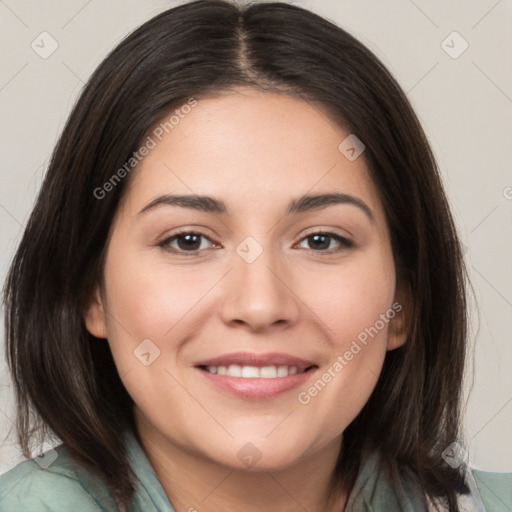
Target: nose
259,294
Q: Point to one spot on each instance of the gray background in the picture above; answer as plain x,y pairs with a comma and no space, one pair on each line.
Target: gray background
464,101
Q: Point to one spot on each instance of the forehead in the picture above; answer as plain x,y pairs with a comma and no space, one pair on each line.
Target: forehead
252,149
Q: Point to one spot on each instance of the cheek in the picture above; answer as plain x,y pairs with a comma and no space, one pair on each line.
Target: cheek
350,298
148,307
355,304
149,299
341,390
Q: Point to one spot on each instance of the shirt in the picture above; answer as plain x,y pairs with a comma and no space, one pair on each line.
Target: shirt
56,483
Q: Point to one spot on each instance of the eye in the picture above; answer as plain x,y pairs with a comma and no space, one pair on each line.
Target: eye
321,241
190,242
187,242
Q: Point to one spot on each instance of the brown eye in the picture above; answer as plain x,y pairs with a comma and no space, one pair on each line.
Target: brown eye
321,242
184,242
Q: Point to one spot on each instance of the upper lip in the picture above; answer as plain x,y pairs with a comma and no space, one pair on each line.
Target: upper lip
258,360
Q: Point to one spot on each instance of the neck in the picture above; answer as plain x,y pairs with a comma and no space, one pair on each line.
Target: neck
195,483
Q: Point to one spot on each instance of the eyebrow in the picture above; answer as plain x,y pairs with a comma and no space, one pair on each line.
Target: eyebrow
302,204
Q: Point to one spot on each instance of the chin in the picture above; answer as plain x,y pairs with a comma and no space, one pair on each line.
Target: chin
260,456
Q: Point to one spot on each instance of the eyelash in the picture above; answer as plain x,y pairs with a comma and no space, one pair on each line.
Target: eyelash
345,243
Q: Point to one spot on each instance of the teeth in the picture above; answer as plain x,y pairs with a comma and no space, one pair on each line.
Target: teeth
254,372
268,372
234,370
250,372
282,371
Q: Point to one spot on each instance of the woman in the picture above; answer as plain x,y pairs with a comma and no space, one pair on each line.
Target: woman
171,317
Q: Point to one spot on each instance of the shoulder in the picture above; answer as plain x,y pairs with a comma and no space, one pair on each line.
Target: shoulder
52,483
489,492
495,490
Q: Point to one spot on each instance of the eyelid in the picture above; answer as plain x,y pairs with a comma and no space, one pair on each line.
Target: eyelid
328,231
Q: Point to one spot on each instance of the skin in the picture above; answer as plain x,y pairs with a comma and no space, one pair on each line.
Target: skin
255,151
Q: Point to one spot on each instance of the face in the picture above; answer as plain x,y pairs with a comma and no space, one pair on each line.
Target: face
251,326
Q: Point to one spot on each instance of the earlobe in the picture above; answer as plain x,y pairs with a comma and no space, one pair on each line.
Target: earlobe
399,325
94,315
397,335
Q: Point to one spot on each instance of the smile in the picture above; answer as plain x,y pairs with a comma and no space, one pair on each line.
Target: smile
255,376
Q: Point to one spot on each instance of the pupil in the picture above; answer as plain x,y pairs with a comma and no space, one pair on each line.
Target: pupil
325,245
191,244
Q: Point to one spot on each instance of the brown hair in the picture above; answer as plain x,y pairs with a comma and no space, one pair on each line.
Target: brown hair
203,47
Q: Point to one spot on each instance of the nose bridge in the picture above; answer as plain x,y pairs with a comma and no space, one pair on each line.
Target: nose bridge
257,294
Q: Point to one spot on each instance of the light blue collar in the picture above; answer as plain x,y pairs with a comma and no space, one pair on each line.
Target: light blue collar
150,496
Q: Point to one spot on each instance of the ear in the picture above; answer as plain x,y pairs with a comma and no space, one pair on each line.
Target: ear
94,315
399,325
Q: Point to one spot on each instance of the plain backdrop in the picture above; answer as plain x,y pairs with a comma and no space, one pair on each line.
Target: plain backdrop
462,95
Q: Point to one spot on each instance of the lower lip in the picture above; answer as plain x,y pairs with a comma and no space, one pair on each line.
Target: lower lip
256,388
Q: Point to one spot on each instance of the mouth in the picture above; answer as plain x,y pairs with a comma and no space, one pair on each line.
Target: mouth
256,376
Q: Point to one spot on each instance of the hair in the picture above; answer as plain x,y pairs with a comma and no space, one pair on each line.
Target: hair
201,48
